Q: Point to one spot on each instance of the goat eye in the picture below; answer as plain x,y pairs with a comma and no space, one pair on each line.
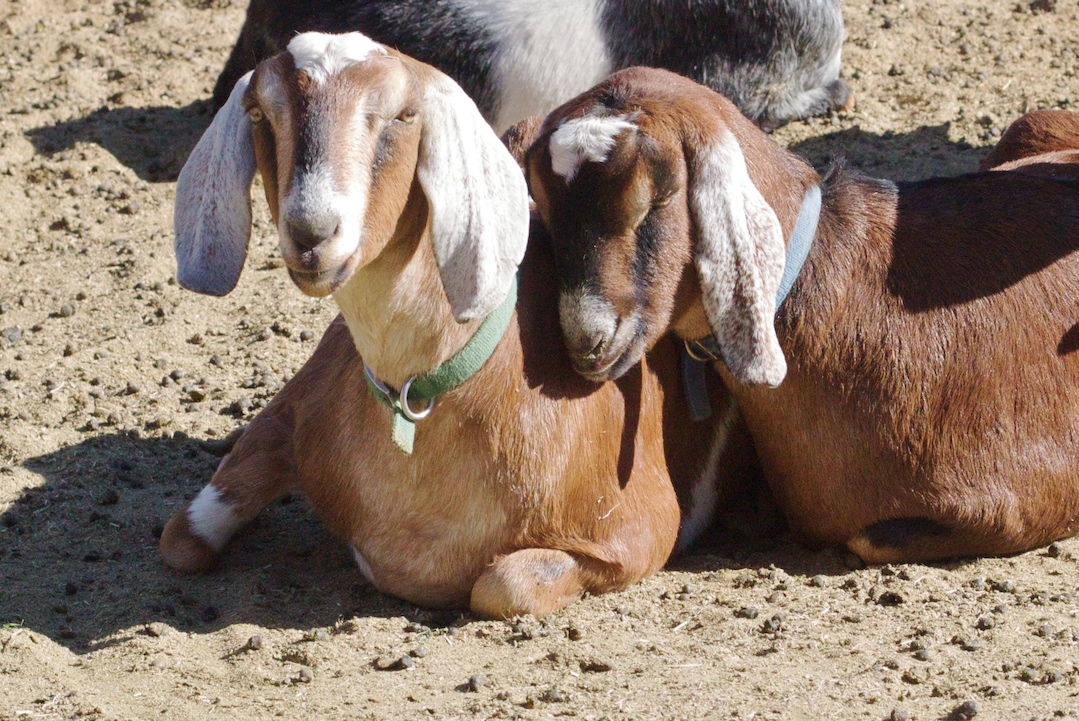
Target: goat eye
255,114
662,201
406,116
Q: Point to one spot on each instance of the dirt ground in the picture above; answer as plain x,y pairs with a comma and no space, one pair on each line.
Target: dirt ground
112,378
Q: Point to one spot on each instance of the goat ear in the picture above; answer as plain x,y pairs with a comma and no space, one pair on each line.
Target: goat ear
739,256
212,215
478,200
519,137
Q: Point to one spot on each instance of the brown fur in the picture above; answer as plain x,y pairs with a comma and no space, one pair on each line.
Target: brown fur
528,485
930,338
1042,131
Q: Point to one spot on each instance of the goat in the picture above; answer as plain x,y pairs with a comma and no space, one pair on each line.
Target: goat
777,59
526,486
1038,133
913,397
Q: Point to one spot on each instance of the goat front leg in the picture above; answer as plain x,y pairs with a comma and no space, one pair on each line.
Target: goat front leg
537,581
259,469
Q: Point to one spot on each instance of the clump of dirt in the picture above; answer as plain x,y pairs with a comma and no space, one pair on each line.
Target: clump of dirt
114,383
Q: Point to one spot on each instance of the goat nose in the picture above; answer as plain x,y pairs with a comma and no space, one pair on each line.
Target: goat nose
307,231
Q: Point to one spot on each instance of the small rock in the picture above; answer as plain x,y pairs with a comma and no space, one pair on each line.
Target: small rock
574,634
265,334
254,643
965,711
67,310
156,629
818,581
1003,586
132,389
594,665
394,663
854,618
114,418
984,623
69,350
747,612
306,335
899,714
922,654
475,683
553,695
418,652
305,676
176,375
889,598
977,584
1055,550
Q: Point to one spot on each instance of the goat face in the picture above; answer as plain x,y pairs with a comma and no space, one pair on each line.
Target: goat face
641,183
343,130
613,196
335,135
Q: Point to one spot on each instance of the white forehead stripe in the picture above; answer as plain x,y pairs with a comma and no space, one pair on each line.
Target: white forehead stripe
585,139
321,55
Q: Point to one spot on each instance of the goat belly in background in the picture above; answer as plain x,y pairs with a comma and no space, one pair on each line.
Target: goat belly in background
777,60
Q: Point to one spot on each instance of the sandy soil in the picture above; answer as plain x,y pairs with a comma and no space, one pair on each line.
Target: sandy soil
112,379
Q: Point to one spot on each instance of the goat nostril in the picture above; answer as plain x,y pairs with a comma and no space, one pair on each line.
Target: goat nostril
308,233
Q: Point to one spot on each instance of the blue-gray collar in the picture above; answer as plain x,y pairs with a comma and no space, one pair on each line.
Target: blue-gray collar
696,353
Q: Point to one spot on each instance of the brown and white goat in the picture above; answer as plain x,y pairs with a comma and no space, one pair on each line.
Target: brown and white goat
915,397
527,486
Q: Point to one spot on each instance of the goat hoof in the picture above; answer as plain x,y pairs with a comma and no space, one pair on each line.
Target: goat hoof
536,581
183,550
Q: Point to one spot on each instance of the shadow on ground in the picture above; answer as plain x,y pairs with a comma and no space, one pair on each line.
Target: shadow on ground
922,153
154,142
79,560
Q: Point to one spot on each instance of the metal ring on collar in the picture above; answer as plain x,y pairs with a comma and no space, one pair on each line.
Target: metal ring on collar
693,348
409,413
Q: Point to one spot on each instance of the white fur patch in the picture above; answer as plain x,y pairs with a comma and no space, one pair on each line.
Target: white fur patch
740,257
314,194
321,55
547,53
479,201
363,565
211,519
705,494
585,139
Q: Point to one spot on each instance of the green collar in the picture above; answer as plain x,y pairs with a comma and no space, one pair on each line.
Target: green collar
445,378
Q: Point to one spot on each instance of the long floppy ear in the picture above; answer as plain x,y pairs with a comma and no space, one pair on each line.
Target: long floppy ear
740,255
478,200
212,215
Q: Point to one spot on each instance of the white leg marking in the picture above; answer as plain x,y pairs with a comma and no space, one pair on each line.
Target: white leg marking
321,55
585,139
705,495
211,519
364,566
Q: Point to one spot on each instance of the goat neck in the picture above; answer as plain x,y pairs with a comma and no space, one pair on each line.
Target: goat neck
401,325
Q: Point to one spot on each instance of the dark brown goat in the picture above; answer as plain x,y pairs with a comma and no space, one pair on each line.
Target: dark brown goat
915,395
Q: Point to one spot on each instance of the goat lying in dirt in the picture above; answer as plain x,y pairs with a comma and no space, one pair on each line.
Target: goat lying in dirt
438,428
913,397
